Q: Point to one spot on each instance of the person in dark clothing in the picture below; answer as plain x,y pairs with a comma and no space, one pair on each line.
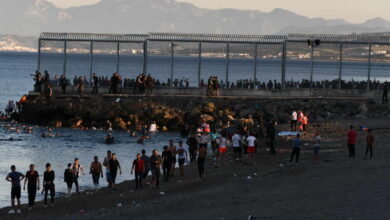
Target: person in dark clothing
384,95
38,81
63,83
48,183
32,180
192,143
139,168
271,132
296,149
95,82
114,83
156,162
167,163
114,166
77,169
68,178
202,152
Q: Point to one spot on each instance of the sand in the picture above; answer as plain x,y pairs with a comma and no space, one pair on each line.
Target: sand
336,188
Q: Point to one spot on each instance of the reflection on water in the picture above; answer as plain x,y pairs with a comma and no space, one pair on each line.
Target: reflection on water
59,151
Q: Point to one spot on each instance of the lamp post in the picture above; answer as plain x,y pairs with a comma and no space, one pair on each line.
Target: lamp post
312,44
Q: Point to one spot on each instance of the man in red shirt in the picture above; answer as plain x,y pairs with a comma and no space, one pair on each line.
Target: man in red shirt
351,141
139,168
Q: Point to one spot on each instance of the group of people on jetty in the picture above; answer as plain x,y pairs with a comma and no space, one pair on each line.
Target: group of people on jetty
206,143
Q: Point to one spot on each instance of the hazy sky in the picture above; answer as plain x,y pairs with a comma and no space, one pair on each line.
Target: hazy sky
351,10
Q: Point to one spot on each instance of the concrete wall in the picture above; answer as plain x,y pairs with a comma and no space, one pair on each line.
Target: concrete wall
243,92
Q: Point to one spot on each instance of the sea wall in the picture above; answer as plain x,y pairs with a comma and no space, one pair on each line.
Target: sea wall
173,111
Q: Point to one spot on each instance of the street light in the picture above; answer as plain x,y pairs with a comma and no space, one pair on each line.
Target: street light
312,44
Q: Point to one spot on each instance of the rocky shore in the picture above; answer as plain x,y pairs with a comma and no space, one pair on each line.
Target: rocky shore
176,112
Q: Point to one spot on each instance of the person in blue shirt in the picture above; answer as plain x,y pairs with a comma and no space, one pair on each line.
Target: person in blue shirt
296,149
15,177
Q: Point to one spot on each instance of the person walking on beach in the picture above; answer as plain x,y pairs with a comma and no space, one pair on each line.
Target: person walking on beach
384,94
68,179
351,141
15,177
156,162
32,180
236,139
296,149
370,143
77,169
294,119
48,184
317,143
107,165
251,149
202,153
167,163
96,171
95,82
147,165
139,168
222,142
114,167
192,146
172,149
182,157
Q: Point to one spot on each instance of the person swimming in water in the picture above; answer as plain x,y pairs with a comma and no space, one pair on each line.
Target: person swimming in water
109,139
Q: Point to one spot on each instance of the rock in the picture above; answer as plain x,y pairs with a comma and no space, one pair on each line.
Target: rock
119,123
78,124
209,107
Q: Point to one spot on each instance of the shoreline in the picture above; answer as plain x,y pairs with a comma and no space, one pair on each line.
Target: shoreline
229,188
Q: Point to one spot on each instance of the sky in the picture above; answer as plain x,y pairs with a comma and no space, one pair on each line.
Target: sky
355,11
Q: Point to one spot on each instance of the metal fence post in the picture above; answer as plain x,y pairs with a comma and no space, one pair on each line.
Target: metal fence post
340,64
65,58
199,63
227,65
284,57
255,69
172,52
369,67
117,56
145,54
90,60
39,56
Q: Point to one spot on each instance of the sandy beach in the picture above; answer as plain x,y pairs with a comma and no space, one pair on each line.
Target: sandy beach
336,188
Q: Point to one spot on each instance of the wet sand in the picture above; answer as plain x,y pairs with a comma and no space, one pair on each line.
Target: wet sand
337,188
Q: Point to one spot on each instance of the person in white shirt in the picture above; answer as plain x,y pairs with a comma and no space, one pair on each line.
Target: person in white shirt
236,139
294,119
153,127
182,156
251,140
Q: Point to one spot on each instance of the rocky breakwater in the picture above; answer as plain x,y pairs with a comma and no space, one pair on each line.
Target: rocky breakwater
175,112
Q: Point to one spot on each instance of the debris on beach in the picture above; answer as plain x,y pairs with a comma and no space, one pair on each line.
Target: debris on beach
249,177
82,211
119,205
251,217
281,165
255,174
162,193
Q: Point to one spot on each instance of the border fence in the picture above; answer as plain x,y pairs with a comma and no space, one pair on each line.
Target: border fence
311,45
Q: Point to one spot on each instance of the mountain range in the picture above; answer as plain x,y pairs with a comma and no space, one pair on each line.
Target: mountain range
30,17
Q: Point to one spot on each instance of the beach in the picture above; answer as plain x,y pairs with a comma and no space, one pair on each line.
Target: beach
336,188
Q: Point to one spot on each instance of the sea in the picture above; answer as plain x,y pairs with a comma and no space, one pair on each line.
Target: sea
17,68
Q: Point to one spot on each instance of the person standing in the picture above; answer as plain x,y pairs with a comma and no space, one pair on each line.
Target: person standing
172,149
32,180
222,142
95,82
63,83
68,179
96,171
317,143
48,184
202,153
251,149
167,163
351,141
296,149
107,165
80,86
236,139
114,167
139,168
192,146
15,177
270,134
147,165
77,169
294,119
370,143
182,156
156,162
384,94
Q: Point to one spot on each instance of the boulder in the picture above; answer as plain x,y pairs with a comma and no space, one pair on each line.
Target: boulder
209,107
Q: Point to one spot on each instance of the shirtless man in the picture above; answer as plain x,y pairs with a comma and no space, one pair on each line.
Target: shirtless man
172,149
